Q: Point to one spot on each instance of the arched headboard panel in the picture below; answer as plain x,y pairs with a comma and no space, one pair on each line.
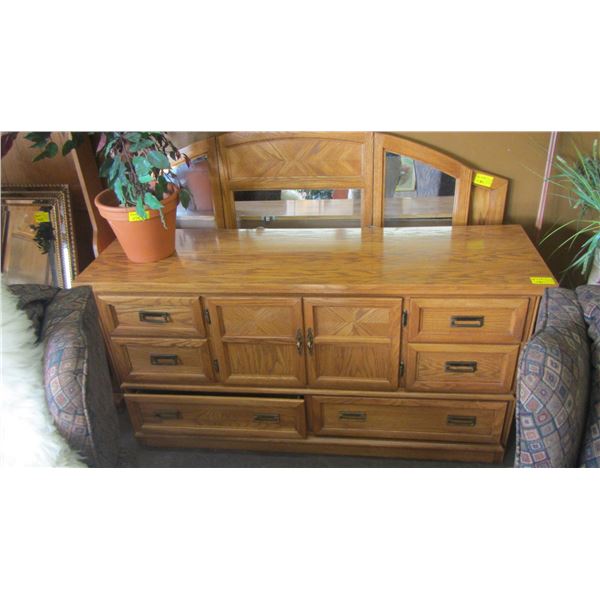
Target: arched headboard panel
291,160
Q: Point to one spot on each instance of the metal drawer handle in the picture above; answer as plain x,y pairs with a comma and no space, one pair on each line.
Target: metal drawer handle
466,321
164,359
348,415
465,421
310,340
167,414
149,316
299,341
460,366
266,418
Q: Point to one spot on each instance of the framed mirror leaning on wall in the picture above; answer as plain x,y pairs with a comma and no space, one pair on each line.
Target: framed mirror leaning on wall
38,244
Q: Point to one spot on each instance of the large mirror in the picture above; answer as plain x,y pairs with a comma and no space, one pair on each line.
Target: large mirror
416,193
38,245
298,208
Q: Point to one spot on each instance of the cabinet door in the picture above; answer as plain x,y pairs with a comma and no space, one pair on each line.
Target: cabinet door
353,343
258,341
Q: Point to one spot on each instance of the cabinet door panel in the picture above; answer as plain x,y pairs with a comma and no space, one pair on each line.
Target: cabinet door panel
256,340
353,342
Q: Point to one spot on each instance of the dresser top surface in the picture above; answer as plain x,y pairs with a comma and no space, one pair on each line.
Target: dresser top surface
490,259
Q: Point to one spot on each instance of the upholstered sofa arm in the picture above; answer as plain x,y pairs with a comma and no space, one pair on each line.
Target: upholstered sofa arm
77,379
553,385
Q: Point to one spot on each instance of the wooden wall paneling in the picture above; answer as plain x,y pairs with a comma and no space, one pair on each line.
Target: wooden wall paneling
488,200
290,160
91,185
462,173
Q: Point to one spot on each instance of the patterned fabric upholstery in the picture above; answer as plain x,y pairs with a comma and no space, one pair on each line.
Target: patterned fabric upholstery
589,299
553,383
34,299
76,377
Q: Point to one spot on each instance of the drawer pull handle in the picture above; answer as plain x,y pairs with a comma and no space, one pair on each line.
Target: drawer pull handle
463,321
347,415
460,366
164,359
167,414
266,418
299,341
310,340
464,421
154,317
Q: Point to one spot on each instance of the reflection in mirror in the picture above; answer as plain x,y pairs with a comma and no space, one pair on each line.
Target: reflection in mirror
416,193
38,244
196,178
300,208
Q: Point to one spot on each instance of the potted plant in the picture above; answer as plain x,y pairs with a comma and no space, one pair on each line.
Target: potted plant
143,192
581,182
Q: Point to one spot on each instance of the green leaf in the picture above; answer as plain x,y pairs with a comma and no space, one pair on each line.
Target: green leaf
141,145
142,166
106,165
68,146
133,136
40,156
51,149
139,208
184,197
151,201
118,188
158,160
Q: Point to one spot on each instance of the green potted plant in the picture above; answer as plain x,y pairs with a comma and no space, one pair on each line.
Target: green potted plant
581,184
143,192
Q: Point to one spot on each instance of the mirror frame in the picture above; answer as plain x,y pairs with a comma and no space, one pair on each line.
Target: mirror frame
462,174
56,198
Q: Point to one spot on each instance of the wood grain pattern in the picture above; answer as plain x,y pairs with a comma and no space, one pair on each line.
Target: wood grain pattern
467,320
217,415
255,340
427,367
424,419
356,342
133,358
377,261
295,160
164,315
409,449
488,203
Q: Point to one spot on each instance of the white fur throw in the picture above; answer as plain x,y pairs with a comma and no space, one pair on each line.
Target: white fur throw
28,437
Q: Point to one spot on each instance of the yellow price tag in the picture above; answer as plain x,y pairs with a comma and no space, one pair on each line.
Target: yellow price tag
483,180
133,216
41,217
543,280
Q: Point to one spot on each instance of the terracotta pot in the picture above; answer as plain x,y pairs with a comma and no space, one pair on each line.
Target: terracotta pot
142,241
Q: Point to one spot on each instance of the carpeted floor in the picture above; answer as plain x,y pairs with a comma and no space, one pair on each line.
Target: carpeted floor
136,455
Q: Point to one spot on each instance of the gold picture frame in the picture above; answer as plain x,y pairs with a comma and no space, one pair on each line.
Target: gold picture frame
38,242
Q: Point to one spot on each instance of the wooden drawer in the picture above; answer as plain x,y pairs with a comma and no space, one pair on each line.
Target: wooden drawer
422,419
217,416
460,367
176,316
467,320
163,360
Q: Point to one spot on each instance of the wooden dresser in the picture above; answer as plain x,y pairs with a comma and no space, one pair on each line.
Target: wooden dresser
390,342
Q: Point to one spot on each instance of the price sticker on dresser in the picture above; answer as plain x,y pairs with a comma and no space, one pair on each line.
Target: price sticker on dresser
543,280
133,216
483,180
